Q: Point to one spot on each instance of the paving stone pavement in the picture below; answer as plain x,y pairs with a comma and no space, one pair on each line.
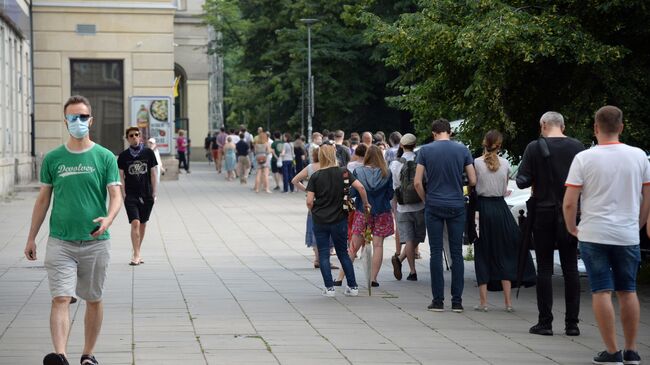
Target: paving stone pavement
228,280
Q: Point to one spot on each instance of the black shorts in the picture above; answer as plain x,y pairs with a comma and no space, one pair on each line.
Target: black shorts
138,208
274,166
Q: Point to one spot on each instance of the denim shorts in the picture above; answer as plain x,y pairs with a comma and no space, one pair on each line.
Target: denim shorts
611,267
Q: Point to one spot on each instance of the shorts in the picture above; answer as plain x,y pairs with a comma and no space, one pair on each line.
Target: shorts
77,267
274,167
216,154
138,208
611,267
411,226
382,225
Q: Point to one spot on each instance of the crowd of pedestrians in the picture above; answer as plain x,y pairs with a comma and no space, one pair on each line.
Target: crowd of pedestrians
358,190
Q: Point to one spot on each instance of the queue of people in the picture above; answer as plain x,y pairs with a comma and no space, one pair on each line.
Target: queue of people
356,191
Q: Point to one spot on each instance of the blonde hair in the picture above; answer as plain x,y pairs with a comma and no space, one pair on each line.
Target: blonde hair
327,156
262,138
491,145
375,158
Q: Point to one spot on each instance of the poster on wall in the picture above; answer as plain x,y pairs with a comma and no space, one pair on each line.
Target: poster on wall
153,116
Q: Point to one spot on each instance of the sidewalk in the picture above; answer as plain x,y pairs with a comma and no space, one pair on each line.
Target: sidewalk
228,280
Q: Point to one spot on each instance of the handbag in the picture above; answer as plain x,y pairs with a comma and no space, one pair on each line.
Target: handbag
279,163
348,203
261,159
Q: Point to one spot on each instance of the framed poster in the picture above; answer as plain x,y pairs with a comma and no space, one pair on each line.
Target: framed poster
153,115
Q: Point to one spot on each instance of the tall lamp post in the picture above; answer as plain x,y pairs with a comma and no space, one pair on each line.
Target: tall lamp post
310,79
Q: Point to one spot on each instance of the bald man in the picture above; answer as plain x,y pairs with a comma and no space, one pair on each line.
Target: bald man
366,138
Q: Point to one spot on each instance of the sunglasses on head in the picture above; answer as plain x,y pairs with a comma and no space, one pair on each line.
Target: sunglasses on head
329,142
134,135
82,117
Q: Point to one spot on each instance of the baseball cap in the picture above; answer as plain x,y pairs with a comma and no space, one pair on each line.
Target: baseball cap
408,140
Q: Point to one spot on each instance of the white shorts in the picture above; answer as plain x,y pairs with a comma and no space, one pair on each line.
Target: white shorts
77,267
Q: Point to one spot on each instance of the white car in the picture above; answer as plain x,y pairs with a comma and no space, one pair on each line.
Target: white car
516,198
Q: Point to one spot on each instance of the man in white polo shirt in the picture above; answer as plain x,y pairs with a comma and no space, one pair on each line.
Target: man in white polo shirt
614,180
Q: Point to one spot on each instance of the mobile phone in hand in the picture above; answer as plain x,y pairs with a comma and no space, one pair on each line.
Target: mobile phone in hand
94,230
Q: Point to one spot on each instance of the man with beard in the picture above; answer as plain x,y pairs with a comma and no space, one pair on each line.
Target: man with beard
138,167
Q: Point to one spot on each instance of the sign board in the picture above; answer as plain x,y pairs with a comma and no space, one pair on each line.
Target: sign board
153,115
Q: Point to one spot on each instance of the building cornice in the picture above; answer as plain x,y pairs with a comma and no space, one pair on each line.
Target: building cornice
171,5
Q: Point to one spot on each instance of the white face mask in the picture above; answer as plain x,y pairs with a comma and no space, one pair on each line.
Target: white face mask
76,127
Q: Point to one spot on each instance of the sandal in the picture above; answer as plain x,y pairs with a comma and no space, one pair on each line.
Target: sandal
134,263
88,360
55,359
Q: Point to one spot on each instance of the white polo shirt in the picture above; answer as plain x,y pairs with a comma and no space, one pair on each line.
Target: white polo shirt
611,177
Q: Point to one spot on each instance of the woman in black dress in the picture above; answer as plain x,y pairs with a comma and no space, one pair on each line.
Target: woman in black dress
497,246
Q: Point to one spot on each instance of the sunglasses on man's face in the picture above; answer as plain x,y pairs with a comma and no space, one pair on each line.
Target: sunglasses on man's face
82,117
131,135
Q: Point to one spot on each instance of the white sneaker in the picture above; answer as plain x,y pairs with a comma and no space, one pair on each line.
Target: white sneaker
329,292
351,292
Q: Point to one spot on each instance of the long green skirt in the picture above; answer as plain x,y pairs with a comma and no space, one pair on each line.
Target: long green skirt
496,250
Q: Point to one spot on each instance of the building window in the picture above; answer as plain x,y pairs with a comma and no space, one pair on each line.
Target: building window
102,82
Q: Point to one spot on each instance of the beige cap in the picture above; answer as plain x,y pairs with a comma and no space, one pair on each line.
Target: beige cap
408,140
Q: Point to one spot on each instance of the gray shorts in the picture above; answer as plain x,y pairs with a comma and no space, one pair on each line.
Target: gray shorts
77,268
411,226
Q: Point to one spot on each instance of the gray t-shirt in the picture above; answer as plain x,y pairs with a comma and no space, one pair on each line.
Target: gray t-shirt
489,183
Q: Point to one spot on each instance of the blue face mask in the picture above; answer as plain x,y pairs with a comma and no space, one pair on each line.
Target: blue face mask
78,125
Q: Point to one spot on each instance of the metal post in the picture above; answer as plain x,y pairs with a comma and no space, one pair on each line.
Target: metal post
310,81
311,96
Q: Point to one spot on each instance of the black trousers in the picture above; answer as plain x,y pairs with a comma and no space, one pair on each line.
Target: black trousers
182,161
549,232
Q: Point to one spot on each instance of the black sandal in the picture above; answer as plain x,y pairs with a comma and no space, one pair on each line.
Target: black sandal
55,359
88,360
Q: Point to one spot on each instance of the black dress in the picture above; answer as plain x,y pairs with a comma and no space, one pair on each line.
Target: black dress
497,247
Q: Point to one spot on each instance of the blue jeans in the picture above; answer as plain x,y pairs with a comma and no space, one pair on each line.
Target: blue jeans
287,175
435,218
339,236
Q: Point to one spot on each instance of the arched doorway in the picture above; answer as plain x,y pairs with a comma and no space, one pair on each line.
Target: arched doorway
180,99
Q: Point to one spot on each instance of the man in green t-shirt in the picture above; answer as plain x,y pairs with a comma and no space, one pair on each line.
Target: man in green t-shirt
79,174
276,150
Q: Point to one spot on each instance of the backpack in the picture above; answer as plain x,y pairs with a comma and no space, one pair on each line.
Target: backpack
406,193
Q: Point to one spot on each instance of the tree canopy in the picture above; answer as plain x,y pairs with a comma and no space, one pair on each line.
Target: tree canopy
497,64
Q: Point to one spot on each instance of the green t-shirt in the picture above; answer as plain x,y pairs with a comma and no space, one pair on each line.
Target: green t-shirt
79,182
277,146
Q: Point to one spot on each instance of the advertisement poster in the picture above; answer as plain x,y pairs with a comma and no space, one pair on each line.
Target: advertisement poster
153,116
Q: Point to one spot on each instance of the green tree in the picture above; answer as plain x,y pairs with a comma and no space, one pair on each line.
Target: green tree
501,64
265,45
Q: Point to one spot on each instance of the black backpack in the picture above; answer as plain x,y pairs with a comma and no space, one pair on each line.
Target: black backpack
406,193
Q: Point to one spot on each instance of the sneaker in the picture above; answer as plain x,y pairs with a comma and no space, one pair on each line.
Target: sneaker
436,306
572,329
457,307
397,267
338,282
540,329
329,292
631,357
412,277
605,358
351,292
374,284
276,188
55,359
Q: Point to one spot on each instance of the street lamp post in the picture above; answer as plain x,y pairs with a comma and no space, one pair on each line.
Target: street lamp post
310,79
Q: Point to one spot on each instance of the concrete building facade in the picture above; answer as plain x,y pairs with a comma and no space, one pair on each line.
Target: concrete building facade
16,162
110,51
191,65
105,50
